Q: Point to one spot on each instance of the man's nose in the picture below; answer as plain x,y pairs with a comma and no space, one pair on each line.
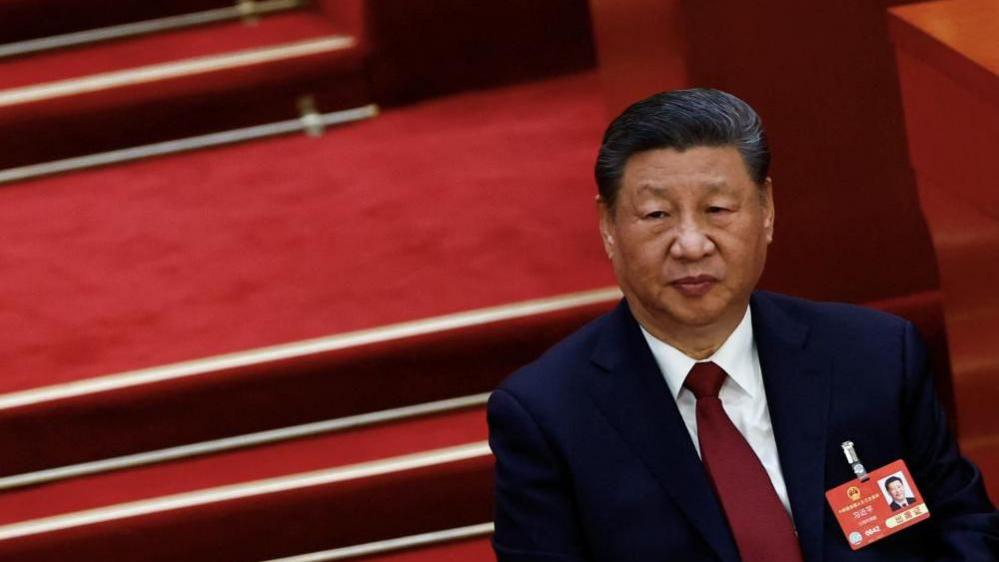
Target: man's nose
691,243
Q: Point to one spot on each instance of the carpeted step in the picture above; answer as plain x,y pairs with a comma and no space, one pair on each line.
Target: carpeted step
463,203
351,445
249,528
175,84
312,494
344,375
157,49
471,550
31,19
471,543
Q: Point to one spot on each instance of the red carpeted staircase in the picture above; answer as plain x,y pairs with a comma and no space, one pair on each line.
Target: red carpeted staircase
283,347
332,490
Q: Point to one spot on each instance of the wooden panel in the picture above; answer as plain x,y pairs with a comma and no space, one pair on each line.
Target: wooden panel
949,71
951,97
967,28
641,48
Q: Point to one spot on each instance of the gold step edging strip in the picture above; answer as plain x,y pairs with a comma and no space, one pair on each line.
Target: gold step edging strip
245,490
246,440
307,123
175,69
135,29
392,545
304,348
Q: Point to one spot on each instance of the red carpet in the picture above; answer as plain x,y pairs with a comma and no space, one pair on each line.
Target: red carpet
475,550
190,103
165,47
283,523
464,202
268,395
267,461
478,200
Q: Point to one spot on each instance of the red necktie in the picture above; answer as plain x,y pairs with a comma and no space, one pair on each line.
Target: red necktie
759,522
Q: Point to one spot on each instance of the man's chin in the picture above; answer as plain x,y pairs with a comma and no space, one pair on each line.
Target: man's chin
669,307
692,314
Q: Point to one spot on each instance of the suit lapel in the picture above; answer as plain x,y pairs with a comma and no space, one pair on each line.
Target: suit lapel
632,394
797,384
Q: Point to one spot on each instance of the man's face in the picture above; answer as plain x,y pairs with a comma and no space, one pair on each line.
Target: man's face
896,490
688,236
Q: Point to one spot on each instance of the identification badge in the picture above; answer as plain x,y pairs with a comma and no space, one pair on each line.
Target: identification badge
876,504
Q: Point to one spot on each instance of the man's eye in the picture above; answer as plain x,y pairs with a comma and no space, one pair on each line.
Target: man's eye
656,215
718,210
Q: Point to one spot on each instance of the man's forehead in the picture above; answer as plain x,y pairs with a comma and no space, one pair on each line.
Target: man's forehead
703,167
675,185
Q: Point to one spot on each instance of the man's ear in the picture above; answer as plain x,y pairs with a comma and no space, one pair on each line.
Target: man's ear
606,226
769,213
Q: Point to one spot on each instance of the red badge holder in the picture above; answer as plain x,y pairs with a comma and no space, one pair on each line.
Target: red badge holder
878,504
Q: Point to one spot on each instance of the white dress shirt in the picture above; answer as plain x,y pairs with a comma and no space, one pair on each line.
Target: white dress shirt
742,394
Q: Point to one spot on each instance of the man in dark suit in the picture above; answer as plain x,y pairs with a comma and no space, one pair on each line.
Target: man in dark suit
896,491
700,420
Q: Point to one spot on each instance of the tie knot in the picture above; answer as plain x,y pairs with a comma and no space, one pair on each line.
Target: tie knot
705,379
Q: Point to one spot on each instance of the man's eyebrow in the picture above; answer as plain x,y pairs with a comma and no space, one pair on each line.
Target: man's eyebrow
717,185
655,189
712,186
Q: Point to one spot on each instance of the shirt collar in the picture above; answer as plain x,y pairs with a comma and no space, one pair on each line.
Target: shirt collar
735,356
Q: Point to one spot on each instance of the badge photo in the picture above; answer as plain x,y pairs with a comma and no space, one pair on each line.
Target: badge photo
897,492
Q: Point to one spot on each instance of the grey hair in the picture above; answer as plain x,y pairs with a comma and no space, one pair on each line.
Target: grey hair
682,119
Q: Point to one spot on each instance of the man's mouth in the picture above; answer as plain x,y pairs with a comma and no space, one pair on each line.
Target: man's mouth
694,286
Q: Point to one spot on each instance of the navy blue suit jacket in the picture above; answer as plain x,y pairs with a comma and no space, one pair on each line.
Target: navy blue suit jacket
593,461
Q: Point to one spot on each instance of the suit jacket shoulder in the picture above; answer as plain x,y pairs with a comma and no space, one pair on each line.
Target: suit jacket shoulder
559,365
834,319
